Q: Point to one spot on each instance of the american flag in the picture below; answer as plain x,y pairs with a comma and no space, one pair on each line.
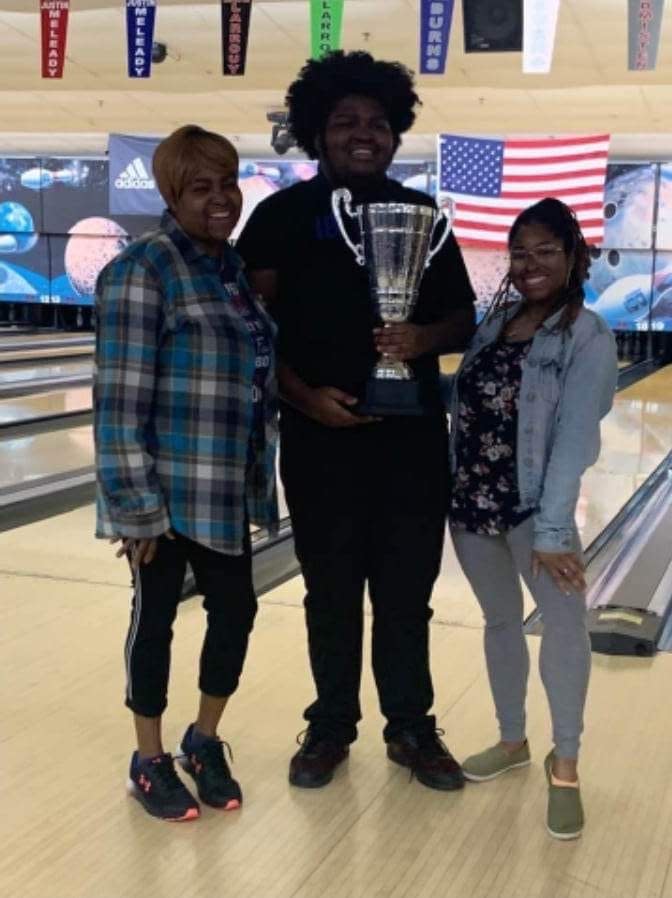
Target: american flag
492,181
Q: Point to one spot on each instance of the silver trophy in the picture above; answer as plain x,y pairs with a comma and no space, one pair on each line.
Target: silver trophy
396,248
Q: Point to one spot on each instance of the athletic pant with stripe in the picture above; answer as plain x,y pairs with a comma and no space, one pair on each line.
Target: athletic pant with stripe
230,605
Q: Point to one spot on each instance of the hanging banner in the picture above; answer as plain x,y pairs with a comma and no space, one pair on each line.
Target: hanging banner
54,18
326,21
235,31
435,19
140,17
644,20
540,19
132,186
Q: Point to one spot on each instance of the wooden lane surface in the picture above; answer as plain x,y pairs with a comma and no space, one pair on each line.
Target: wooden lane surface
373,832
12,376
43,354
54,402
29,458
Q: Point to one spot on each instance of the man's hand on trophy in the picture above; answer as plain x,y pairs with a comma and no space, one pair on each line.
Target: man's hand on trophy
332,407
400,342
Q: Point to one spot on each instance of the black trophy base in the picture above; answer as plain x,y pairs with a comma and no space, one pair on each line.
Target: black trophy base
391,397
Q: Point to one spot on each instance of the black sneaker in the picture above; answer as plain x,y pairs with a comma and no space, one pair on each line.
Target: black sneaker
158,788
314,763
428,759
207,765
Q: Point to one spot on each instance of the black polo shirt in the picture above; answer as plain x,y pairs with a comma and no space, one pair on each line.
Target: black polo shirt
324,308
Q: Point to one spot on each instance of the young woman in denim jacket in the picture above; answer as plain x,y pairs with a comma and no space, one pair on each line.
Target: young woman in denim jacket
526,409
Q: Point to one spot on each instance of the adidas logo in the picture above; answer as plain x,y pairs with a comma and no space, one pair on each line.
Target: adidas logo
135,177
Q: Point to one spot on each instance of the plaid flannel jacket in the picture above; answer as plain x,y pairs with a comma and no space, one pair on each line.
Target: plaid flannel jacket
176,444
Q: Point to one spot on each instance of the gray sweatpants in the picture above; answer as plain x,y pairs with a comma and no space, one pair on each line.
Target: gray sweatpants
493,565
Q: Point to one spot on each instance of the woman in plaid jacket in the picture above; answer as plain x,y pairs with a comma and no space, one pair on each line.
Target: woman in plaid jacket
185,428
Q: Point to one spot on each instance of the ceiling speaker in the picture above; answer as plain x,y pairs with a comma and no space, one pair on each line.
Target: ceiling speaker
492,26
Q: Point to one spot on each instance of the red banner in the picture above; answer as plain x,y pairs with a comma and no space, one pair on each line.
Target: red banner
235,31
54,15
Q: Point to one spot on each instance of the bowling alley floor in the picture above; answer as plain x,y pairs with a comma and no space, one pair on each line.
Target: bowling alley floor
68,831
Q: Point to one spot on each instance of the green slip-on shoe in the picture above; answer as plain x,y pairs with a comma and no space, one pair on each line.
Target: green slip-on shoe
492,762
565,812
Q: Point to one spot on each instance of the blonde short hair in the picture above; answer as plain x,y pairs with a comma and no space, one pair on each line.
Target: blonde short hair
177,158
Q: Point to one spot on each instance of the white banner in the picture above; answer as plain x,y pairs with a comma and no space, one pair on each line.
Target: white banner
540,18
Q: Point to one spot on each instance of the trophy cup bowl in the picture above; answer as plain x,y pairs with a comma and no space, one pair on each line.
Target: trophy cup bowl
396,248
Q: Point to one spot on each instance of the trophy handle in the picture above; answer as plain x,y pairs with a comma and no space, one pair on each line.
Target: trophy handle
447,214
342,194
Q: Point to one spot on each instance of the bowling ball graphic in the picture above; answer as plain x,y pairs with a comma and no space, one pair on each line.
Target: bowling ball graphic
92,244
17,228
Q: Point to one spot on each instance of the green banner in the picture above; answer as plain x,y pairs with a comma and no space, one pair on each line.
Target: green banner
326,19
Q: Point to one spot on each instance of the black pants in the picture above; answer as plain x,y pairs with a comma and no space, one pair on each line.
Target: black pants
230,603
367,504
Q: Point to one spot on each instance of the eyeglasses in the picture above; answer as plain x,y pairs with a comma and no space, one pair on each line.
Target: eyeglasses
541,254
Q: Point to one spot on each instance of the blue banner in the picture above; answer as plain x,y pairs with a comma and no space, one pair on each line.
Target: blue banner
435,19
132,186
140,16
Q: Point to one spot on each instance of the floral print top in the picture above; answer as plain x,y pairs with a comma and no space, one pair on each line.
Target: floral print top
485,496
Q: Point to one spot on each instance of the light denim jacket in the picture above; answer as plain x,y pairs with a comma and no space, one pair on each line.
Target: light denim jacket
567,387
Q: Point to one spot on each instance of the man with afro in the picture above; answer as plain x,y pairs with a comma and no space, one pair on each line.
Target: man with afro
367,496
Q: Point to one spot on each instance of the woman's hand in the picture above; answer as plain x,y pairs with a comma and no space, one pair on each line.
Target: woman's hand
566,569
138,551
331,407
400,342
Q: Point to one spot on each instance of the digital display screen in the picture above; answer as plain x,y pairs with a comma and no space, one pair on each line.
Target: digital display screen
664,223
20,198
25,276
629,200
661,309
75,195
619,288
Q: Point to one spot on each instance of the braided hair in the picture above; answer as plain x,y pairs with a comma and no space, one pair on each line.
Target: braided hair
561,221
322,83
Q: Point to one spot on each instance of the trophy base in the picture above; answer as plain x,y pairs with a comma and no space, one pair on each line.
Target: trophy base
391,397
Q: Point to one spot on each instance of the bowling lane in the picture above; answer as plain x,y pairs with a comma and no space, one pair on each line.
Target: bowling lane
26,459
35,339
636,436
33,355
22,378
37,406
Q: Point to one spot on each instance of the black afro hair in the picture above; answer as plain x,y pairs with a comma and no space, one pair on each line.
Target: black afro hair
322,83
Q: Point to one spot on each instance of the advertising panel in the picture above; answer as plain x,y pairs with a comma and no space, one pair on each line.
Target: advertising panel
131,186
